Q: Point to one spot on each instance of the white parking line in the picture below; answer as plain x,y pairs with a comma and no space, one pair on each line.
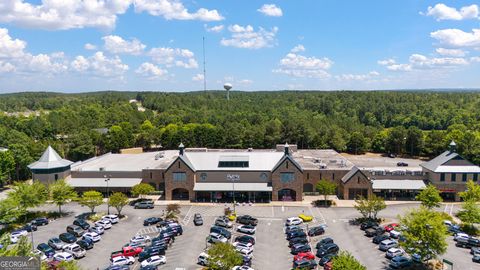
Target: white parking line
186,219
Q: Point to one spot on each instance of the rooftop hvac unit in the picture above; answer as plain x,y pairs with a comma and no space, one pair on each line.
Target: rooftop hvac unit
333,161
323,166
159,155
317,160
101,169
250,149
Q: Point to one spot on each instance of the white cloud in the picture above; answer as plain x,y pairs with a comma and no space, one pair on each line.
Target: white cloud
118,45
245,82
61,15
99,65
298,48
6,67
151,71
173,57
386,62
246,37
451,52
90,47
215,29
301,66
418,62
44,63
457,37
271,10
475,59
198,77
399,67
10,47
175,10
358,77
443,12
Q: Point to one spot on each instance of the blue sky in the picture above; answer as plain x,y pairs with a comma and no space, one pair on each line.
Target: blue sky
90,45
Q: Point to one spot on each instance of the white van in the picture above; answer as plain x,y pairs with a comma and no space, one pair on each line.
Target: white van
202,259
387,244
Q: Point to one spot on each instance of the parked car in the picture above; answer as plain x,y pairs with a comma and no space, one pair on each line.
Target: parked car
293,228
112,217
293,221
123,260
85,244
177,228
140,239
202,259
245,239
223,222
14,236
247,220
67,238
151,221
222,231
217,238
92,236
298,240
63,256
75,230
323,242
304,255
242,267
105,223
387,244
368,224
120,267
400,262
144,205
390,227
476,258
331,248
154,261
394,252
127,251
418,259
325,259
97,229
55,243
242,245
197,219
305,218
133,202
82,223
468,243
46,249
149,252
314,231
29,227
305,264
402,164
475,250
246,229
395,234
40,221
379,238
460,235
37,253
374,231
75,250
296,234
454,229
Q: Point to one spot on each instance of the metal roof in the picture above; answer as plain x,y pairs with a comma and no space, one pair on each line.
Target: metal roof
100,182
398,184
229,187
50,159
458,169
439,160
258,161
351,173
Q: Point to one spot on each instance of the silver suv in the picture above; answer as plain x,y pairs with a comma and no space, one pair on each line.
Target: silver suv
75,250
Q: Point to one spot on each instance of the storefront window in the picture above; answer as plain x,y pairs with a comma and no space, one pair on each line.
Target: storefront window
179,176
287,177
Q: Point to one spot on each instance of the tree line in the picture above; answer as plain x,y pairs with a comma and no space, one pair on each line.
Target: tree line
79,126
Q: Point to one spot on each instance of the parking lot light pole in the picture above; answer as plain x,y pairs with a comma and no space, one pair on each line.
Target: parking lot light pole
108,195
31,233
233,183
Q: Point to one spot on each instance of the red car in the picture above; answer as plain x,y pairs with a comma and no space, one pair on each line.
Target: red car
328,266
304,255
391,227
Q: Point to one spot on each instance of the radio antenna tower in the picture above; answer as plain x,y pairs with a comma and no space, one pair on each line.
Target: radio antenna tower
204,69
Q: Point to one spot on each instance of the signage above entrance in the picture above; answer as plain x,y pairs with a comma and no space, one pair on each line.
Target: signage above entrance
233,177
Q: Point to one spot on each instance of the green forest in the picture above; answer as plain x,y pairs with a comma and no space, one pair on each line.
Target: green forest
79,126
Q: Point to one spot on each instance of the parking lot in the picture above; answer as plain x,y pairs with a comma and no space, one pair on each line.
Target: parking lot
271,249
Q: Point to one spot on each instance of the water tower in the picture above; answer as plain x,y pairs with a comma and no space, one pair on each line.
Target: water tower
227,87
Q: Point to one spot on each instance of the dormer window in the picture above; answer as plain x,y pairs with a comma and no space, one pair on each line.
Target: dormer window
233,162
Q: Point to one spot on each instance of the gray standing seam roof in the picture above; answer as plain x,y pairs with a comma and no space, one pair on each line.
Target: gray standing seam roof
351,173
50,159
433,164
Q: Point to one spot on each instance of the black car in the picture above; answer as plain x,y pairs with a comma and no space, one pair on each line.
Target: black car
379,238
151,221
368,224
314,231
402,164
46,249
297,248
293,229
374,231
118,267
325,259
226,233
133,202
67,238
323,242
305,264
327,249
247,220
148,267
298,240
245,239
144,205
86,243
296,234
197,219
247,260
40,221
149,252
29,227
82,223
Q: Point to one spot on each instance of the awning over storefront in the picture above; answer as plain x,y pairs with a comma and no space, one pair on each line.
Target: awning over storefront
398,184
100,182
229,187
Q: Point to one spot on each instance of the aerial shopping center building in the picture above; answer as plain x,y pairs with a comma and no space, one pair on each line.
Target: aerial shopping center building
259,175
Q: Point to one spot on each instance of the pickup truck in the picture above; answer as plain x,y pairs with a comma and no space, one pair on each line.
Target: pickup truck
127,252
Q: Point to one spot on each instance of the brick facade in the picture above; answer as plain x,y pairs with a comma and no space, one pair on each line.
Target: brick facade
179,166
296,184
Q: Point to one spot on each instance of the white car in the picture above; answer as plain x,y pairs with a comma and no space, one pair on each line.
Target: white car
97,229
394,252
395,234
105,223
113,218
243,245
75,250
140,239
217,238
203,259
63,256
246,229
245,252
122,260
154,261
40,255
14,236
461,235
243,267
293,221
223,222
92,236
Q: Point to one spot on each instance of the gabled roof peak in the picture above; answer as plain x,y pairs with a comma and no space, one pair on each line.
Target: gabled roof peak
50,159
